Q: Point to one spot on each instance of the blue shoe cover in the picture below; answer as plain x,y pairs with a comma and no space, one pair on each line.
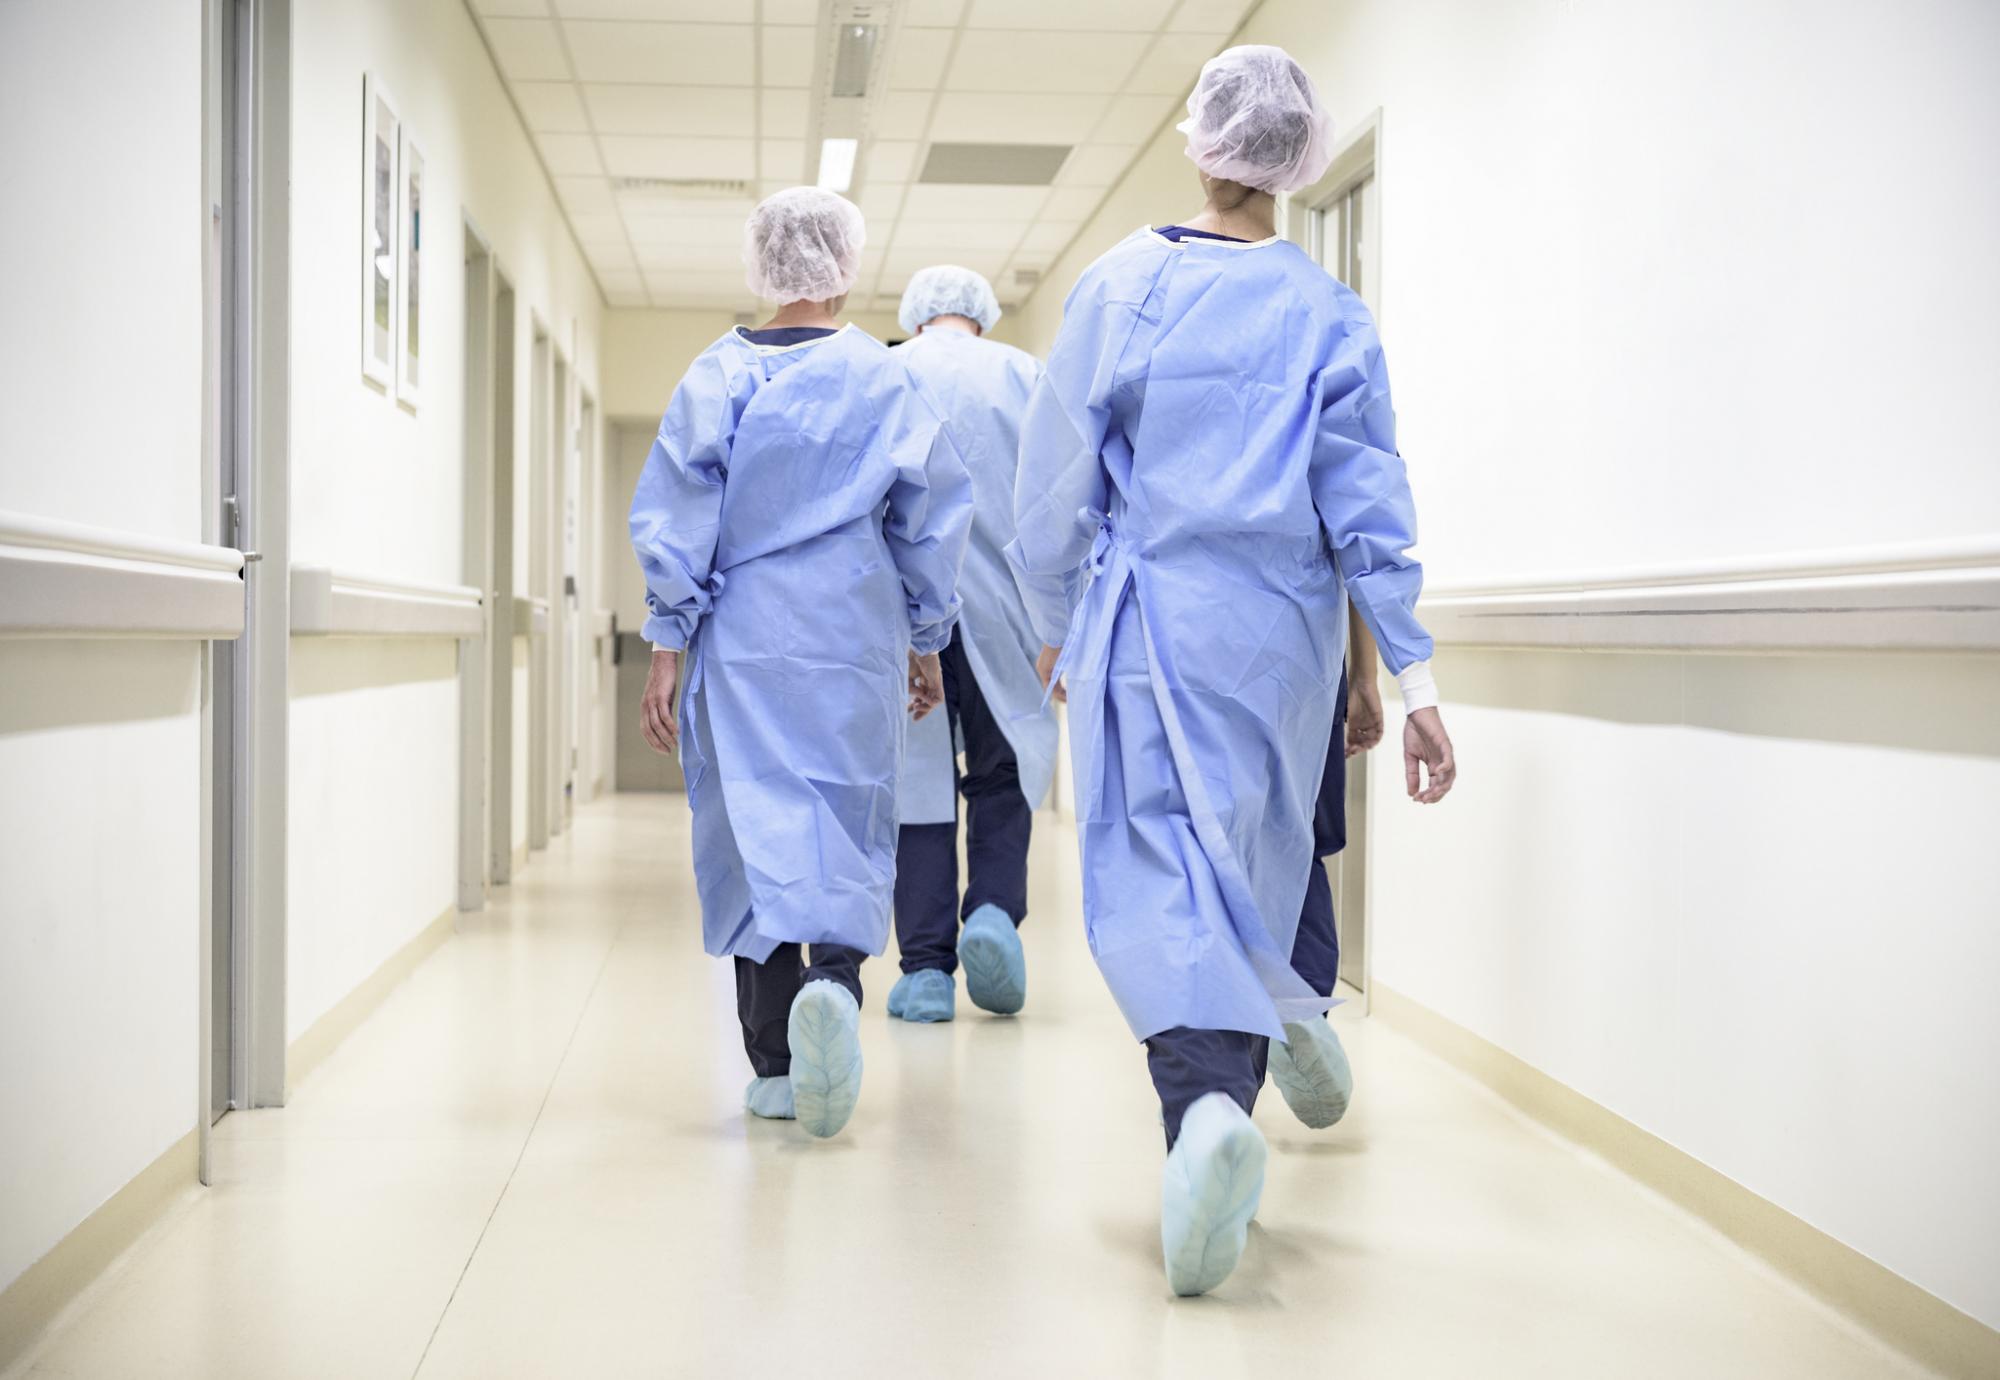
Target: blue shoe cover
1214,1177
925,996
770,1098
996,971
825,1035
1311,1070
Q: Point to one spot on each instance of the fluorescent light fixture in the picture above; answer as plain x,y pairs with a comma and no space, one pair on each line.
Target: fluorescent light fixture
836,163
854,59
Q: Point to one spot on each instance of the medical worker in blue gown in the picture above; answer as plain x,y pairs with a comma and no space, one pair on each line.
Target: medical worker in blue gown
800,521
992,691
1214,445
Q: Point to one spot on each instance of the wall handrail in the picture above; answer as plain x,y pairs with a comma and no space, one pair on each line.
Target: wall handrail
1928,596
328,602
71,579
531,616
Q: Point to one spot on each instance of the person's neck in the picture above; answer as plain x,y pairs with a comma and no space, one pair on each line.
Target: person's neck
1255,219
800,315
964,325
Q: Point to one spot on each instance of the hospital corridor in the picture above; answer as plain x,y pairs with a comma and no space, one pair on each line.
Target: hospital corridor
1156,688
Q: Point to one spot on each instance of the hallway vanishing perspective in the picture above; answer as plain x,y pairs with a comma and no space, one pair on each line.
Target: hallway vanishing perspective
533,1161
538,538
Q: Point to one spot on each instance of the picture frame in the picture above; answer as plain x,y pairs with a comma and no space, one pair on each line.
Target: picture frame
381,138
409,274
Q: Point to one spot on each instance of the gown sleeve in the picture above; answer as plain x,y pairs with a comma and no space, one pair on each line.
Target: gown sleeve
1059,483
1362,492
929,518
677,509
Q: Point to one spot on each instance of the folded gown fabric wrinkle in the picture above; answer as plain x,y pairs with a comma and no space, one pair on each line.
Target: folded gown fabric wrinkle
800,522
1213,448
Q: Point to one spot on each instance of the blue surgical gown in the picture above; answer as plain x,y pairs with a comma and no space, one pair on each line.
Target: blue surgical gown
1214,445
800,521
983,387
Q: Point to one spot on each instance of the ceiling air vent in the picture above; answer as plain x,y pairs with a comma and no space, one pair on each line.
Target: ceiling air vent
691,188
1026,278
1018,165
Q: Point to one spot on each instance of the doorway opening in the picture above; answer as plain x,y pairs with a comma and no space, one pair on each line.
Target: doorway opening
1338,222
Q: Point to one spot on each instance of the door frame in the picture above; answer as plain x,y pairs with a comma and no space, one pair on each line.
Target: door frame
474,664
246,155
500,587
1302,218
539,411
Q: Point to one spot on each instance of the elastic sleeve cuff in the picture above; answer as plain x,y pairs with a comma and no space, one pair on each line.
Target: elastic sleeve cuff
665,634
1418,685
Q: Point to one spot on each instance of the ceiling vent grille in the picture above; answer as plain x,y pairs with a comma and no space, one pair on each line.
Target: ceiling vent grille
1027,277
689,188
1015,165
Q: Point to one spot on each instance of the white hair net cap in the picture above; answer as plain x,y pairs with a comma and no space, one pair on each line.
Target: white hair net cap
947,290
1254,118
803,245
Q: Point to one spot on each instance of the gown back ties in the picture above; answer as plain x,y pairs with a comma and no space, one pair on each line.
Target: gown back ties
1106,544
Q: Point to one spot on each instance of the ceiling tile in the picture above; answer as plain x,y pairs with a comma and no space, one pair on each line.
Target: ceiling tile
631,155
527,49
788,56
942,13
622,108
694,54
785,159
693,256
916,63
890,160
771,186
1028,61
1070,203
610,260
1046,235
1096,165
930,201
598,227
535,8
903,262
988,117
650,11
587,196
880,201
1128,16
1218,17
1134,119
901,115
1173,64
664,221
785,111
790,11
947,235
551,107
569,154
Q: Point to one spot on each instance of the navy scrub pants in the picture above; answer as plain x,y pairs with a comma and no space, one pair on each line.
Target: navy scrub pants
1187,1064
997,818
764,993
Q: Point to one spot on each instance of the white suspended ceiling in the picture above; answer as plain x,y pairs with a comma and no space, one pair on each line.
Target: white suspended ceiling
632,103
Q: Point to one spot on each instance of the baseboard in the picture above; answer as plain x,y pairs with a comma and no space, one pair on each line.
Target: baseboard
1903,1315
324,1035
51,1284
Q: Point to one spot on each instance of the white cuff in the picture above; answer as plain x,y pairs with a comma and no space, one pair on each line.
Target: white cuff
1418,685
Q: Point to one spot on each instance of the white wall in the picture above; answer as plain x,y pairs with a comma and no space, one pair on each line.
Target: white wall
1662,283
100,348
378,488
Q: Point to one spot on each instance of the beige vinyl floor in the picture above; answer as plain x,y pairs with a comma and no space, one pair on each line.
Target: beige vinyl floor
532,1161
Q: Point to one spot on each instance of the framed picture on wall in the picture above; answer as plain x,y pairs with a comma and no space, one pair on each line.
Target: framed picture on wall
409,267
381,133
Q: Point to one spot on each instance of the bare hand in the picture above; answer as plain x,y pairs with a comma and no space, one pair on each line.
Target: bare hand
1364,715
656,706
1425,742
926,684
1045,666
